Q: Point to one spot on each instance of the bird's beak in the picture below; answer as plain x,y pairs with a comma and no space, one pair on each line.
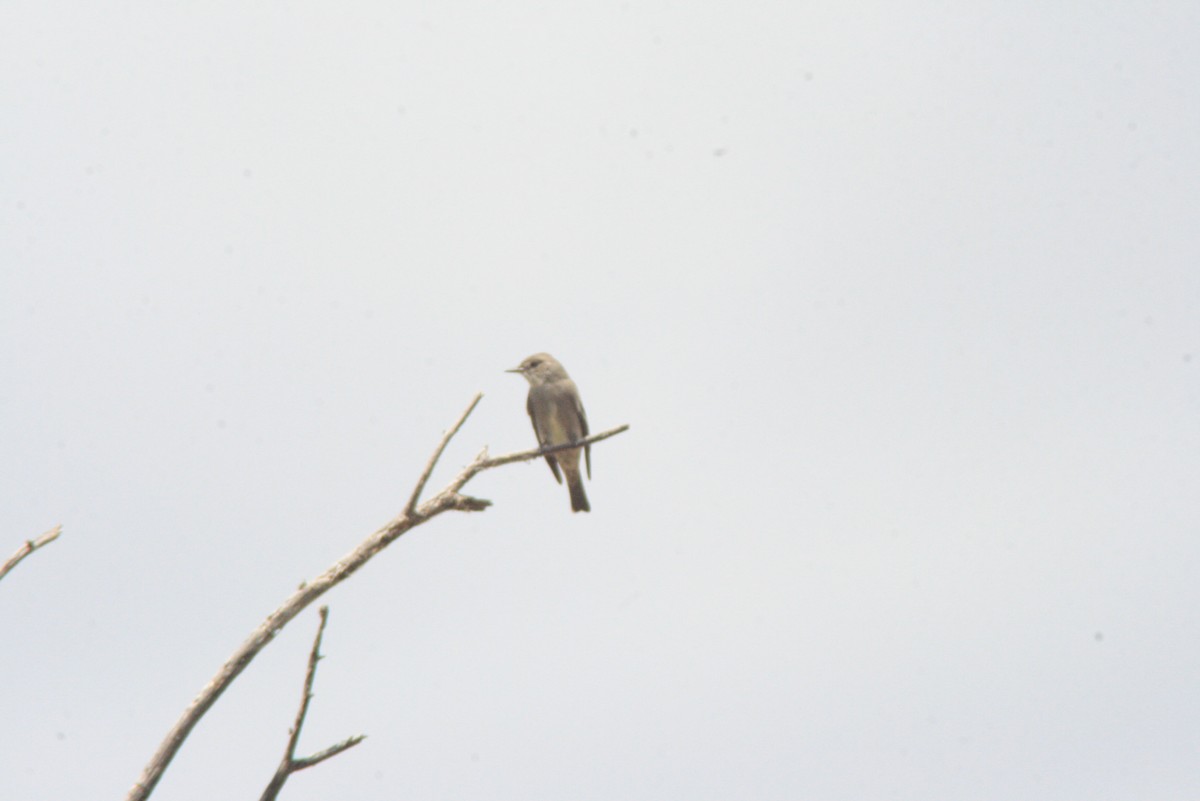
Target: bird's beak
515,370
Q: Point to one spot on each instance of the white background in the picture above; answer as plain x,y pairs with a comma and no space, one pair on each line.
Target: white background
901,301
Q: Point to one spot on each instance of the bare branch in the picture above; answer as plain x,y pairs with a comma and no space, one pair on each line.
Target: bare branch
482,462
524,456
29,547
447,499
309,675
437,454
289,764
331,751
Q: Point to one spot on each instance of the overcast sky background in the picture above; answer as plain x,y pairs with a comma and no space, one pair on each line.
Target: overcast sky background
902,303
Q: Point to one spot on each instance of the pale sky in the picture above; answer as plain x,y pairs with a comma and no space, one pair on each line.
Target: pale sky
901,302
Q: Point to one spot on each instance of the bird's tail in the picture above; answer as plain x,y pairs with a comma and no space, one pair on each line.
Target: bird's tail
579,501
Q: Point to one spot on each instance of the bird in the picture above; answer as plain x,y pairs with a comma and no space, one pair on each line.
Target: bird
558,418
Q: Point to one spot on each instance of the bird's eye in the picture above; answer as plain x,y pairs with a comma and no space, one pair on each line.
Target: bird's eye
534,363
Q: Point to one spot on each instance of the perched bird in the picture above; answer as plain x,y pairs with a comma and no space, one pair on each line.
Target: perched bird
558,418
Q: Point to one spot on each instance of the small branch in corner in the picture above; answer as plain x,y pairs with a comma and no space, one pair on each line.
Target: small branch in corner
29,547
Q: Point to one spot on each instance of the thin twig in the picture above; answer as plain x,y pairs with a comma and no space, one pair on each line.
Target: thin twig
437,454
447,499
29,547
309,676
289,764
331,751
523,456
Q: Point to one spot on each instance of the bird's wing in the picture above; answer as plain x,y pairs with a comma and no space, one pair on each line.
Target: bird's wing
550,460
587,449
